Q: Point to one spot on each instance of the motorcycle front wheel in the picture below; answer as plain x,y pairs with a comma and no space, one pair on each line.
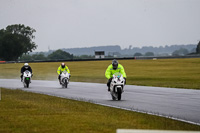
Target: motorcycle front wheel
65,83
119,93
26,83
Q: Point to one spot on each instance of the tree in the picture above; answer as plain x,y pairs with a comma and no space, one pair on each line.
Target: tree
198,48
25,58
86,57
59,55
149,54
175,53
181,51
137,54
15,41
39,56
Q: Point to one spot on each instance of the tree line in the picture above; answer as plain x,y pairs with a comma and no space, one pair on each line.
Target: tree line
56,55
16,42
179,52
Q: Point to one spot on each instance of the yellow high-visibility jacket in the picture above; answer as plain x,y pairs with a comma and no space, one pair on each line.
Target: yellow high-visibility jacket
110,71
60,69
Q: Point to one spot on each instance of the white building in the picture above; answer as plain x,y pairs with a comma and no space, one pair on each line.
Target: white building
99,54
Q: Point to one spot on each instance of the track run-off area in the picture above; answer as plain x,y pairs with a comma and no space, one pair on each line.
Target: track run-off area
179,104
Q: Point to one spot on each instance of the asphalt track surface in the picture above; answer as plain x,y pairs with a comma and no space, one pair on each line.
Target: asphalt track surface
180,104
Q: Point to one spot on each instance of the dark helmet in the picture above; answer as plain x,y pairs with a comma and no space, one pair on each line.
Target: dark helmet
63,65
115,64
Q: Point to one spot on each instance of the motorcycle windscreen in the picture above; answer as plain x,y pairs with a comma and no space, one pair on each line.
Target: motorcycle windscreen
118,74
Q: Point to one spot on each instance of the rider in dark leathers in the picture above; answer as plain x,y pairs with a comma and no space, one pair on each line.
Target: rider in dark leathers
24,68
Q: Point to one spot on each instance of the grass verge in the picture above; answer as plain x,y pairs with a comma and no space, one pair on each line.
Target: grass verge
175,73
23,112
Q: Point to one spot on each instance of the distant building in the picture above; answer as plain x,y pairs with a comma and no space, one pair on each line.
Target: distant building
99,54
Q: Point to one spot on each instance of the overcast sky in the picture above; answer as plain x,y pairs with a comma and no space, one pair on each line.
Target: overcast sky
85,23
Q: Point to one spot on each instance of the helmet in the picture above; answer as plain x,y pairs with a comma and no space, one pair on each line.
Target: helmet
25,64
63,65
115,64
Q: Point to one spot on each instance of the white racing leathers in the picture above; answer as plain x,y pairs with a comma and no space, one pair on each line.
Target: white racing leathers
116,86
64,79
26,78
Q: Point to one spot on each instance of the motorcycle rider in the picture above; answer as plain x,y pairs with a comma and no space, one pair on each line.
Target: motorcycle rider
113,68
62,68
24,68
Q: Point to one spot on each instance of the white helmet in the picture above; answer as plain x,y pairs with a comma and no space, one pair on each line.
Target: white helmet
63,65
25,64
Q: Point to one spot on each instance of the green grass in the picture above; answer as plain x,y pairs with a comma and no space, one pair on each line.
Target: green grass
175,73
26,112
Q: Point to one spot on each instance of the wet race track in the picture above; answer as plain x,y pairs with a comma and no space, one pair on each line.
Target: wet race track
181,104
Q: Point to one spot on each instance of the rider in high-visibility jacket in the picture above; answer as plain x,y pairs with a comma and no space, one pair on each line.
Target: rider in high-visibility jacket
62,68
113,68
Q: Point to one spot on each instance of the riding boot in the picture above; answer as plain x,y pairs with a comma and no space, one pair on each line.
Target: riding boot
108,83
21,77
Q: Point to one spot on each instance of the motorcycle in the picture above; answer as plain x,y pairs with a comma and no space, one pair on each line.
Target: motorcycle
27,78
64,79
116,86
